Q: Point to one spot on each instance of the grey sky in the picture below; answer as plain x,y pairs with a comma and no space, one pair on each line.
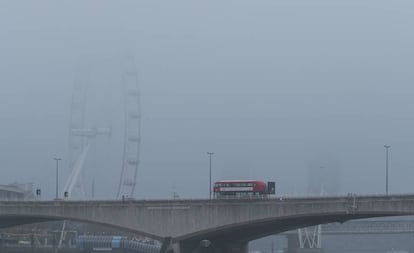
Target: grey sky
267,85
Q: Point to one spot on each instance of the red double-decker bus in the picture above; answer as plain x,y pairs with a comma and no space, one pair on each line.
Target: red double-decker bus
243,189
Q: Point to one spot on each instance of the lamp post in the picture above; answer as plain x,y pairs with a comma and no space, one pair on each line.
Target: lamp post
57,174
387,147
210,154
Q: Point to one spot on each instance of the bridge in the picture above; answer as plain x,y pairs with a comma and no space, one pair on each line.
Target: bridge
201,225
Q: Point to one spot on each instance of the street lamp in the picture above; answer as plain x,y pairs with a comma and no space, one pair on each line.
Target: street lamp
57,174
386,167
210,154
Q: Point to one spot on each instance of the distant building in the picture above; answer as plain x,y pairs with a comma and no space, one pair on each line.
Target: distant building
16,191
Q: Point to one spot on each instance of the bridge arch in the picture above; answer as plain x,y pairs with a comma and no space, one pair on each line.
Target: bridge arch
244,232
11,220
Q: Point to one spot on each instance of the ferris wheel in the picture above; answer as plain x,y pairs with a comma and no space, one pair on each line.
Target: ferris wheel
81,136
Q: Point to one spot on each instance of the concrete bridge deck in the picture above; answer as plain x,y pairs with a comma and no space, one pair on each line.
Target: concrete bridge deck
187,222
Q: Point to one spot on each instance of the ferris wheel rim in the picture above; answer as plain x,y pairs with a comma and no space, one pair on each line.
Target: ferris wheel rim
132,130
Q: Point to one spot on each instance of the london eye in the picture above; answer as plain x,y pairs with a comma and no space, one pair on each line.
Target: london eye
81,136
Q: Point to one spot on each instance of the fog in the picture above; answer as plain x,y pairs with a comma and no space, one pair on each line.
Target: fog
272,87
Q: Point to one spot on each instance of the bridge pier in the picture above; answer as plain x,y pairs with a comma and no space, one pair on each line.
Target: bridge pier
232,248
205,246
168,246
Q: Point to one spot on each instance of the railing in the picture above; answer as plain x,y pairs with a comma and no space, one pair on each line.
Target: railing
247,198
